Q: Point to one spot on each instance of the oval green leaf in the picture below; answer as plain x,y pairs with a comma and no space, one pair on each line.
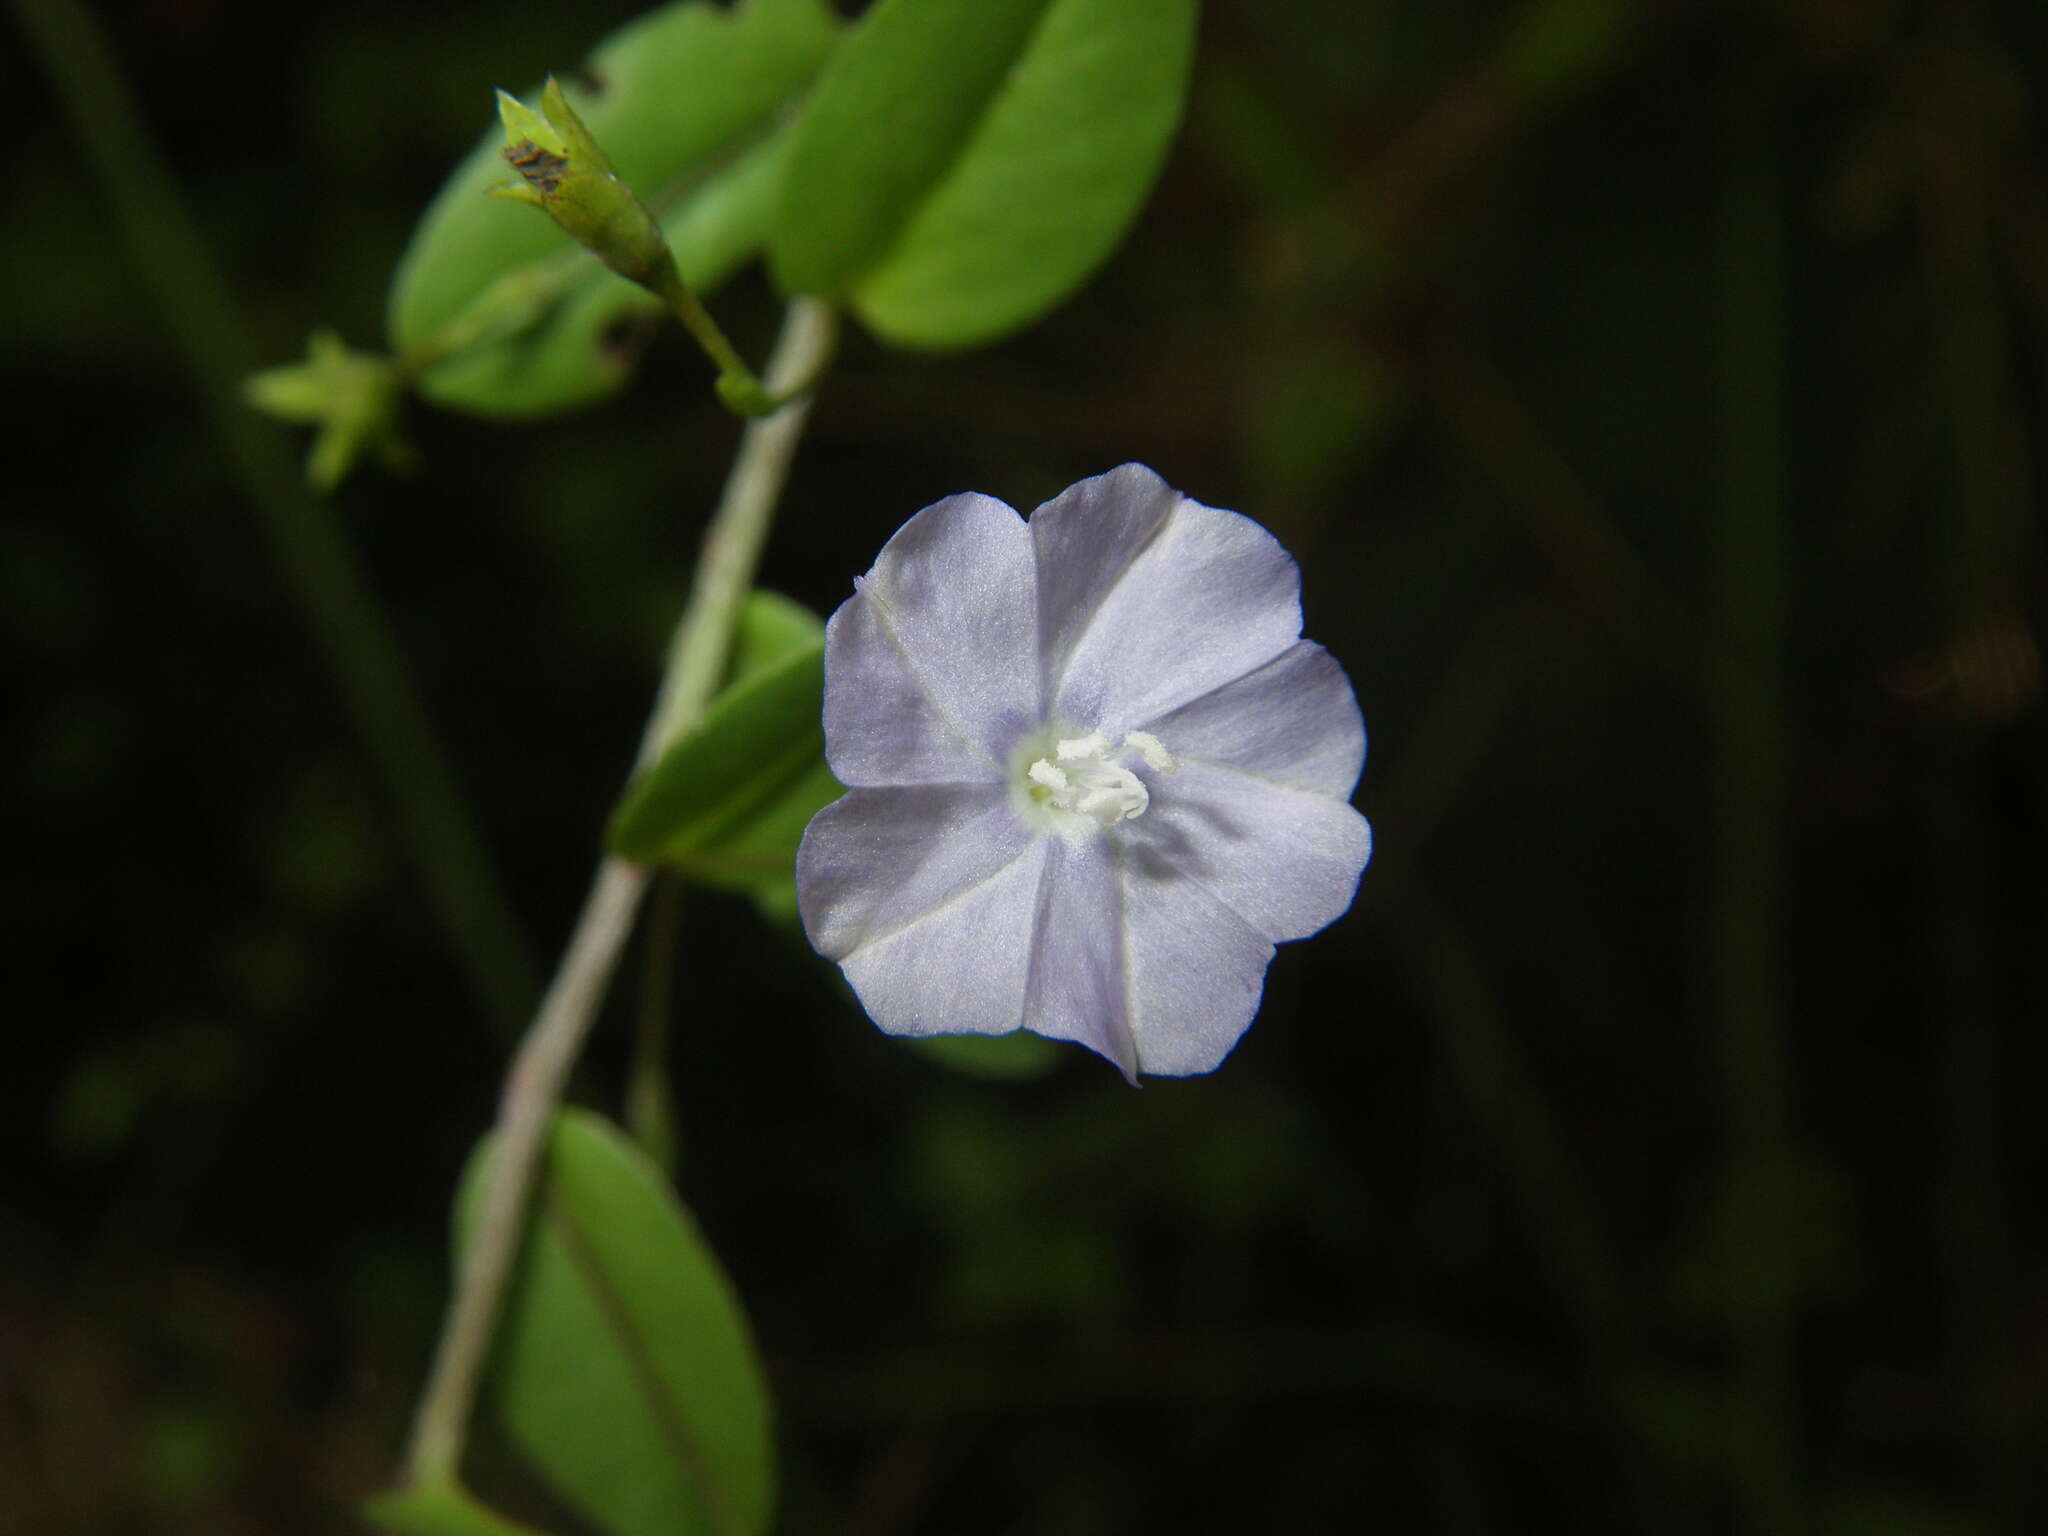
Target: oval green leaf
960,169
727,802
624,1369
503,314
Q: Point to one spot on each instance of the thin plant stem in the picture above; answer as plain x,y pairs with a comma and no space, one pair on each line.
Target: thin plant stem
355,639
1748,844
732,543
540,1069
691,314
737,385
533,1090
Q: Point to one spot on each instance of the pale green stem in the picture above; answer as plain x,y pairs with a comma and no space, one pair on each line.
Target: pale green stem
355,639
691,314
533,1090
540,1070
732,544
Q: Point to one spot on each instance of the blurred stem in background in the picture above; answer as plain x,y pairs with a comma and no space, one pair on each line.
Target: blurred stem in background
1993,672
358,643
1748,852
1469,708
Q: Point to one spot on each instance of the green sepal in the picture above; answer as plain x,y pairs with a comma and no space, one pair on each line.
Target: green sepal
564,172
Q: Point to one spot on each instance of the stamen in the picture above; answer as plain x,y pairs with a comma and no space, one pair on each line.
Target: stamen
1122,799
1094,744
1157,758
1082,777
1042,772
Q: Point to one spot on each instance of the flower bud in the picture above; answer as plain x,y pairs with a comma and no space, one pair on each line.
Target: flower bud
564,173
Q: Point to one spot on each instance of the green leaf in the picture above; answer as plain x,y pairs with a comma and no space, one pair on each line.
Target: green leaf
772,628
959,169
624,1370
1015,1057
727,802
443,1509
507,316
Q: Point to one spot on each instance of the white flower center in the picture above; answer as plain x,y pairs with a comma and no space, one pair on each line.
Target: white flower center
1080,785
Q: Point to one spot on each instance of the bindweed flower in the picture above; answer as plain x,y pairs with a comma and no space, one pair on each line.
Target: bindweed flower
1096,775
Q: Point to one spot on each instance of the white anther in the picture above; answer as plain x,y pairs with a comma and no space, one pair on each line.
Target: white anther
1121,799
1094,744
1157,758
1082,777
1045,773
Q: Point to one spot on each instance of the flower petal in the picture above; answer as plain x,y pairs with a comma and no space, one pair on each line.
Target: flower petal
881,725
1078,985
1085,539
956,591
1196,972
1294,721
1285,860
962,967
877,860
1209,597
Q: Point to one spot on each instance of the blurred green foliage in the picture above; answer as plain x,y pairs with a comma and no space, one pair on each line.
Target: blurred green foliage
1473,304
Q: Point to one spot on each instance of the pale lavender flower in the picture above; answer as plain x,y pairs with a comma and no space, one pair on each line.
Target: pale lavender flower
1096,775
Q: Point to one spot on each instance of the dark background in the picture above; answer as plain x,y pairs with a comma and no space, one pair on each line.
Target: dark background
1653,394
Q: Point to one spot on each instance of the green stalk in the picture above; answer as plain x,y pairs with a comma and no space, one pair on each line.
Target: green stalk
539,1071
356,641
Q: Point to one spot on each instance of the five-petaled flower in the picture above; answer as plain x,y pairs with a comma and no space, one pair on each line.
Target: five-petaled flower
1096,775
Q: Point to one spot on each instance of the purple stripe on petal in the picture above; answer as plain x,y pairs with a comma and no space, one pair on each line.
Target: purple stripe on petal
1196,972
1078,989
1085,539
1285,860
1294,721
881,726
962,968
1211,597
957,589
876,860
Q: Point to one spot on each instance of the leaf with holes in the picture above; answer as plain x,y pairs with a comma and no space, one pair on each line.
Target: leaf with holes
504,315
624,1368
960,169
